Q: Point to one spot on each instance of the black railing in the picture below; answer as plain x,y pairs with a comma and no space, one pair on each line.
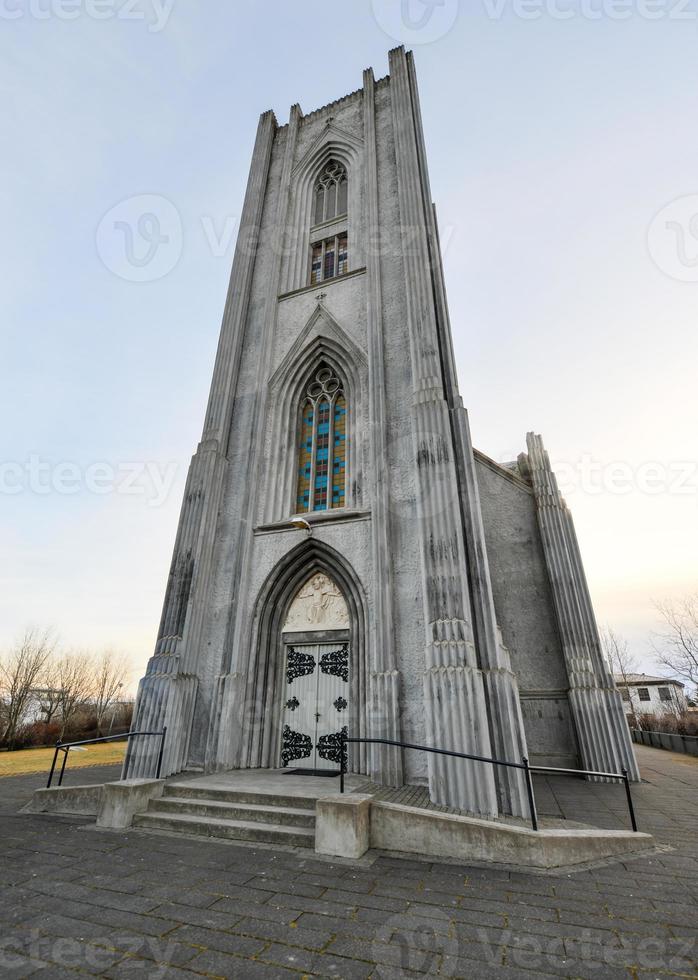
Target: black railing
65,748
524,765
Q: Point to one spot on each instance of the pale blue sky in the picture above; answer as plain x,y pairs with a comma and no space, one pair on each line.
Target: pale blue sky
552,146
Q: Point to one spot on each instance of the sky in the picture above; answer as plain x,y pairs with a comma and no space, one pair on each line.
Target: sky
562,148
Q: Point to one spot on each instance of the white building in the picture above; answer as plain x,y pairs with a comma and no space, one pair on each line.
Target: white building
648,695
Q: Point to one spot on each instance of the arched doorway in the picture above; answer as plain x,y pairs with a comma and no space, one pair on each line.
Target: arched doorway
265,688
317,663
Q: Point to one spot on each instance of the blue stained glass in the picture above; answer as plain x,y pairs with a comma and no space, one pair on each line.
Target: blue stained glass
319,485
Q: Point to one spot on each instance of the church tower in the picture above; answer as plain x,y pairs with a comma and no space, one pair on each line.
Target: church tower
331,569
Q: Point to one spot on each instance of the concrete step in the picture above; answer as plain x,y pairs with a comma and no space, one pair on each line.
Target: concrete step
185,823
188,791
224,810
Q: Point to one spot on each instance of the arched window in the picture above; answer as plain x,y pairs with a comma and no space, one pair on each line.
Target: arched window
329,254
322,451
330,193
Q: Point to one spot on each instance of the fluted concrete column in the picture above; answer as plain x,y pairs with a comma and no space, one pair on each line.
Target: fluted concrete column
167,693
384,691
597,709
222,751
455,701
505,718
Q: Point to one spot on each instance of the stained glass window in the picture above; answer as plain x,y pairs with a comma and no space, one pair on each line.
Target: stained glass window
330,250
329,259
339,454
342,255
322,452
305,457
316,264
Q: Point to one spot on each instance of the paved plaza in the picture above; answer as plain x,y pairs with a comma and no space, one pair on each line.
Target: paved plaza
77,901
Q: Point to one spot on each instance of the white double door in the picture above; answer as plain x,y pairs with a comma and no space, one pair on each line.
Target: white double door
316,704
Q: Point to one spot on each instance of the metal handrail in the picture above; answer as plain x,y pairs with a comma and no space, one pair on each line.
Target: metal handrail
65,747
524,764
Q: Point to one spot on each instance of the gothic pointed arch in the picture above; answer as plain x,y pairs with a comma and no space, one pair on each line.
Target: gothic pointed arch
322,345
321,442
332,146
330,193
261,745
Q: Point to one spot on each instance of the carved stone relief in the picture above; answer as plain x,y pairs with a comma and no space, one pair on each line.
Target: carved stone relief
318,605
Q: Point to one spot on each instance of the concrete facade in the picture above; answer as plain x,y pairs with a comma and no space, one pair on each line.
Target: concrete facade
433,550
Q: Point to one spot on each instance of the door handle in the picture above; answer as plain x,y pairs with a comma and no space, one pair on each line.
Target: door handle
318,716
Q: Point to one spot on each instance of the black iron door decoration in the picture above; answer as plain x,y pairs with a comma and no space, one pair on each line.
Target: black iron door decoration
295,745
336,663
298,664
330,746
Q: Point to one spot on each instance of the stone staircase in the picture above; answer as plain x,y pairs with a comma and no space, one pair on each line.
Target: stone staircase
232,814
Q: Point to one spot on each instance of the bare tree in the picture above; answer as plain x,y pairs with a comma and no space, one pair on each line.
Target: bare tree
677,647
49,693
19,673
622,664
110,671
74,671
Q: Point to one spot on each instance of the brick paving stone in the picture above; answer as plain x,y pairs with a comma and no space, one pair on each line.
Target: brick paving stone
178,895
109,882
469,969
364,885
300,904
208,918
215,964
356,899
301,888
199,939
294,934
64,952
347,926
378,916
379,953
23,967
176,908
133,968
308,961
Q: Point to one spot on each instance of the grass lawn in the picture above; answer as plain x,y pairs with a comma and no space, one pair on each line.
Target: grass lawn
39,760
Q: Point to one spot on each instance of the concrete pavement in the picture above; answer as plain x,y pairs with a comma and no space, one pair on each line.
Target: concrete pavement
77,901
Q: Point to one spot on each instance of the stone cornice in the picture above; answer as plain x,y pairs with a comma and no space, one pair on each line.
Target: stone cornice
323,285
319,518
